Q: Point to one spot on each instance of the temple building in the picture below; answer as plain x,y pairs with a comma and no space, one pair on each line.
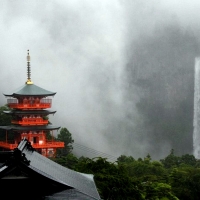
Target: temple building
28,108
25,170
26,174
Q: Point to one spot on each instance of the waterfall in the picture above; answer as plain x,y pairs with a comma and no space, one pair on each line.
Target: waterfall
196,120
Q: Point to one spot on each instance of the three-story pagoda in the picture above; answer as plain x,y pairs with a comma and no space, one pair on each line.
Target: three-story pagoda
29,113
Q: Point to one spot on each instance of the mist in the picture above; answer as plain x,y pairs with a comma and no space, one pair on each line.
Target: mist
123,70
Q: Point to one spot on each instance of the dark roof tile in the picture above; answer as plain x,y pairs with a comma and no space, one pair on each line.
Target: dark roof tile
30,90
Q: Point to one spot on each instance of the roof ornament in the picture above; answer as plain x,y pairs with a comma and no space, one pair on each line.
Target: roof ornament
28,69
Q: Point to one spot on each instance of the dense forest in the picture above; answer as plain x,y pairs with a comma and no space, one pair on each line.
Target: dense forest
171,178
174,177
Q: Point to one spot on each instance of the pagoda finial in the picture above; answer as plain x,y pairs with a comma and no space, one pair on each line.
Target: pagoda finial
28,69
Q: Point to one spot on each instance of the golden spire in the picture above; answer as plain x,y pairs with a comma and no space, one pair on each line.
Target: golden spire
28,69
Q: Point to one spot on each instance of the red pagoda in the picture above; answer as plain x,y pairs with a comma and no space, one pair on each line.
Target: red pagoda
29,113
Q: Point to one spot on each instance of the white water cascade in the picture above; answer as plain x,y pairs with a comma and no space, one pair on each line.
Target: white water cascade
196,120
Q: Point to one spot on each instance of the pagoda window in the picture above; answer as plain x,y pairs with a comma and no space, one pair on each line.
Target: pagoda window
37,100
35,140
20,100
12,101
31,100
25,100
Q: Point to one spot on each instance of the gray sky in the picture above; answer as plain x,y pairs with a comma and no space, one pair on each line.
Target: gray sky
80,48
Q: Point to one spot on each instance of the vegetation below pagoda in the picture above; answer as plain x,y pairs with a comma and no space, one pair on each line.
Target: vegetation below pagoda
171,178
174,177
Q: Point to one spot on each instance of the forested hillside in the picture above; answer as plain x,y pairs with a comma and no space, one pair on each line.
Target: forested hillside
171,178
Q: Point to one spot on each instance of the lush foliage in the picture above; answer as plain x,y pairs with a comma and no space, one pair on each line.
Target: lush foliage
172,178
4,121
66,137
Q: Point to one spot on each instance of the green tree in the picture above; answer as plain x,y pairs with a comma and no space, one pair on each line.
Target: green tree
66,137
185,183
50,137
171,160
5,120
158,191
188,160
70,161
111,179
125,159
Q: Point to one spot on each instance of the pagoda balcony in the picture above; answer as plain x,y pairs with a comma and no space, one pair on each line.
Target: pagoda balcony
6,145
43,104
49,144
30,121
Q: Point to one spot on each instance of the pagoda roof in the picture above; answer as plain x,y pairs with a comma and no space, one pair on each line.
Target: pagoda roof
31,112
30,90
29,128
26,163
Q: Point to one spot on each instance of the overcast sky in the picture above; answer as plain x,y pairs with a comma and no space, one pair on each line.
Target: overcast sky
79,49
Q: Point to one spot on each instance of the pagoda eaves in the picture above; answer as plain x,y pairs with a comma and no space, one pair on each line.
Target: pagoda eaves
30,90
28,112
29,128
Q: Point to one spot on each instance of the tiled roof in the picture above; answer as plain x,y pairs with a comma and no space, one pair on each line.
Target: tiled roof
82,182
31,90
29,128
27,112
34,163
70,194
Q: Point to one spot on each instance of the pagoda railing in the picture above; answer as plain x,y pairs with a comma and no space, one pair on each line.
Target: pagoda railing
48,144
30,121
43,103
8,145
